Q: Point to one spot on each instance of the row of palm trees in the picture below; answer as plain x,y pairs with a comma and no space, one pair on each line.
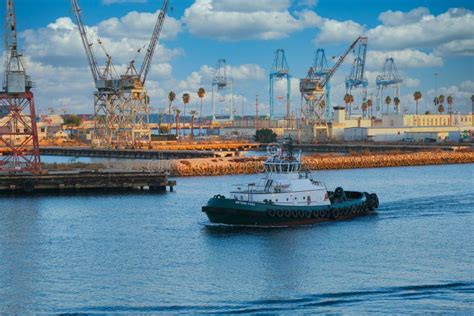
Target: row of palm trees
367,105
186,98
438,102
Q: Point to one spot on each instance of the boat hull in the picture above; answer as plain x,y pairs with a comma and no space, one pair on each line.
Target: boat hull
233,212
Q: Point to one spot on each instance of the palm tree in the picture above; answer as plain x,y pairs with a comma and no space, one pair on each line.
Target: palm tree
450,104
346,101
441,103
349,99
364,108
417,96
186,98
177,112
369,104
436,103
171,98
396,101
388,100
201,94
441,108
193,115
450,108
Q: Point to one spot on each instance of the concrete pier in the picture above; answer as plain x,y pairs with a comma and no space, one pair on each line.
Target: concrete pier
77,181
126,153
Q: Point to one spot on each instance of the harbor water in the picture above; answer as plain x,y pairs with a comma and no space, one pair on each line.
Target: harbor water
157,253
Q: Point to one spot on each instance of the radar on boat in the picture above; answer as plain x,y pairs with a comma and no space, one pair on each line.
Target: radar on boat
279,161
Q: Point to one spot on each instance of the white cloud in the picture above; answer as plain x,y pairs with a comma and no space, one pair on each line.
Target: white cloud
333,31
395,18
406,58
411,82
241,72
60,43
229,20
428,31
414,29
163,70
140,24
458,47
249,5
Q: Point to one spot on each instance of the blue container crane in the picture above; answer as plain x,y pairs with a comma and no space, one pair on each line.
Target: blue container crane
280,70
357,78
389,77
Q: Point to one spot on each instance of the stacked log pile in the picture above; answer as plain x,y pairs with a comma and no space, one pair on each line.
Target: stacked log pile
232,166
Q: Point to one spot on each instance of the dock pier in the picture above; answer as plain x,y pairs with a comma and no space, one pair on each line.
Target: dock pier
125,153
80,181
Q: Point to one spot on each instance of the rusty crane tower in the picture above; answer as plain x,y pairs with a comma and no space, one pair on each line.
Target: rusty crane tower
121,102
19,148
312,88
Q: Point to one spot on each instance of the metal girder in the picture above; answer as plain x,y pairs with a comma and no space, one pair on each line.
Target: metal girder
19,146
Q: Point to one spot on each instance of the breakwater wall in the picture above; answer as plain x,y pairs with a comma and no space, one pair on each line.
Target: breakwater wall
231,166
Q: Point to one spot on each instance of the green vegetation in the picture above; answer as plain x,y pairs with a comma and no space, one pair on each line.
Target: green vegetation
163,129
73,120
265,135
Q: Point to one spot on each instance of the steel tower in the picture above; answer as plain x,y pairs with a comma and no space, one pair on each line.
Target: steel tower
121,102
280,70
221,81
357,78
389,77
18,132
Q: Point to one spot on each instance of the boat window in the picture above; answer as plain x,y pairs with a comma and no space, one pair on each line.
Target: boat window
276,200
304,197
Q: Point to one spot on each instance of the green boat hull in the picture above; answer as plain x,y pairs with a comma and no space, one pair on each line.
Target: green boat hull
222,210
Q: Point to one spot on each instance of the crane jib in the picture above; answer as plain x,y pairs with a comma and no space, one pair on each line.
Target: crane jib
99,76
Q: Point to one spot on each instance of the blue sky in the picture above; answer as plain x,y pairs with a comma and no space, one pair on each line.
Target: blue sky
424,37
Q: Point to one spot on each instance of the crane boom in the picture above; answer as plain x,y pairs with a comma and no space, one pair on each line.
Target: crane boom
85,41
339,62
145,68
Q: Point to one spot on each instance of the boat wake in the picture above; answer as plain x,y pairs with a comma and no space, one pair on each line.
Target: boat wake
440,205
434,297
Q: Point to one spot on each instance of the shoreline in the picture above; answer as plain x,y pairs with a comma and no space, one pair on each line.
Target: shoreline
252,165
234,166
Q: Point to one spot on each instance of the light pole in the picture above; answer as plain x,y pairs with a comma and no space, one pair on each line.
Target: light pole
436,90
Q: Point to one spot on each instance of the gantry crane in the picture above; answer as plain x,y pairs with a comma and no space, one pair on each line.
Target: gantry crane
280,70
312,89
121,102
19,147
357,78
222,81
321,69
389,77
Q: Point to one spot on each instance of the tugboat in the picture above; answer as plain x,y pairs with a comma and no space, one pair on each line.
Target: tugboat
287,196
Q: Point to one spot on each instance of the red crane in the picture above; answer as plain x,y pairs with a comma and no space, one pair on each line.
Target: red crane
19,146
